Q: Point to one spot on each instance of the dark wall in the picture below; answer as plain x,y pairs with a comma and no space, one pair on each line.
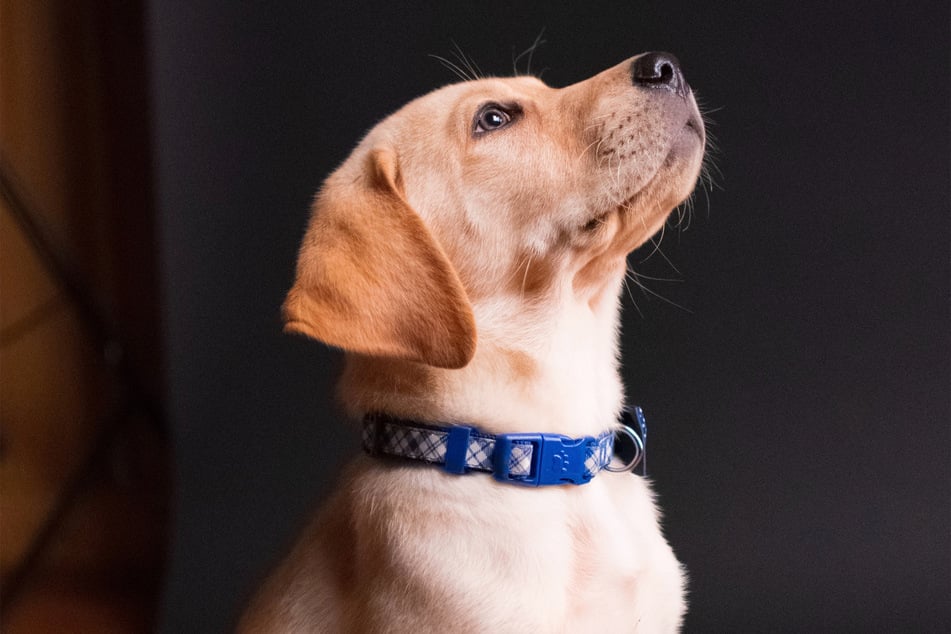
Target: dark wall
796,372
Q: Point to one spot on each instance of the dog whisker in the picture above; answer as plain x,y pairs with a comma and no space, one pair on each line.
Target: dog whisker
530,51
706,111
681,212
658,250
631,295
617,177
597,120
597,150
596,141
528,263
644,288
673,280
459,72
685,213
474,71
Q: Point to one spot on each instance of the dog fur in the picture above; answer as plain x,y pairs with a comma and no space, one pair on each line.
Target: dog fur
473,273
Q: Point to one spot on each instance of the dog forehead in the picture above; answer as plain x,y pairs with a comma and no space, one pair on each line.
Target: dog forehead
489,88
504,88
459,101
415,128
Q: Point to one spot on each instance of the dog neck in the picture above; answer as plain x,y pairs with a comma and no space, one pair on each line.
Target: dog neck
551,368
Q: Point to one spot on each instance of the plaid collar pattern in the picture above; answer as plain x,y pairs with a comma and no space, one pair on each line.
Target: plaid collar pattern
524,459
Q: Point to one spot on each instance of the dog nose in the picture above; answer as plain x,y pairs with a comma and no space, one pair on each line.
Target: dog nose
659,70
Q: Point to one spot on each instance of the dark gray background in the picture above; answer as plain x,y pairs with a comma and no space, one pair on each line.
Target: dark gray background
799,405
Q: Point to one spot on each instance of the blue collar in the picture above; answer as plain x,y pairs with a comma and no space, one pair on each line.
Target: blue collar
527,459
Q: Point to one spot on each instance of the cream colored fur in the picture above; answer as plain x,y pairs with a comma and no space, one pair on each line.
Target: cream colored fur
474,275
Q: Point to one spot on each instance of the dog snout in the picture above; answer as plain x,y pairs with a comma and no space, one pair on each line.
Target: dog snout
659,70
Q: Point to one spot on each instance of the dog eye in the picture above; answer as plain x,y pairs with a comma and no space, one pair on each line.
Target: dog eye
491,117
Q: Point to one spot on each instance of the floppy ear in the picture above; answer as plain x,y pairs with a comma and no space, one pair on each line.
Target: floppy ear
372,279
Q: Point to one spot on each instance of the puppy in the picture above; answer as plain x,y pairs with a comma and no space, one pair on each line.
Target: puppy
468,256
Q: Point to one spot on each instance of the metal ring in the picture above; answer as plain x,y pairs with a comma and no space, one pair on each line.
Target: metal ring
638,456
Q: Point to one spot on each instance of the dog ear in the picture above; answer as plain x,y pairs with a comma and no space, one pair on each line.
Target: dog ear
372,279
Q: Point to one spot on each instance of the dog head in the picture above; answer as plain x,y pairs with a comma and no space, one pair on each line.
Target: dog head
489,200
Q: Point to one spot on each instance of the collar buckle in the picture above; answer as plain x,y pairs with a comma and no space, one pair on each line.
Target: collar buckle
555,459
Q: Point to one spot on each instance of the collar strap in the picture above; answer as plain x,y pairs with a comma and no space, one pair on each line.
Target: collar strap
527,459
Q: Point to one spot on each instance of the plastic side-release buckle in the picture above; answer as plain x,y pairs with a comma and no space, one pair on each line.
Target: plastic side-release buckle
556,459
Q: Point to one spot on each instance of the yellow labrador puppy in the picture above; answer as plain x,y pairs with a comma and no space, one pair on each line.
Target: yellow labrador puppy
468,257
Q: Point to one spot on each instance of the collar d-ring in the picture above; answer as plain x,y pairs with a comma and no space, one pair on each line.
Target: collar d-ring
639,451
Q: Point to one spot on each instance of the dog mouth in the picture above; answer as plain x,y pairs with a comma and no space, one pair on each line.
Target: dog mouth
683,146
695,125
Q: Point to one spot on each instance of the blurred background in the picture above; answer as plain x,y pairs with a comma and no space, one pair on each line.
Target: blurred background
161,441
